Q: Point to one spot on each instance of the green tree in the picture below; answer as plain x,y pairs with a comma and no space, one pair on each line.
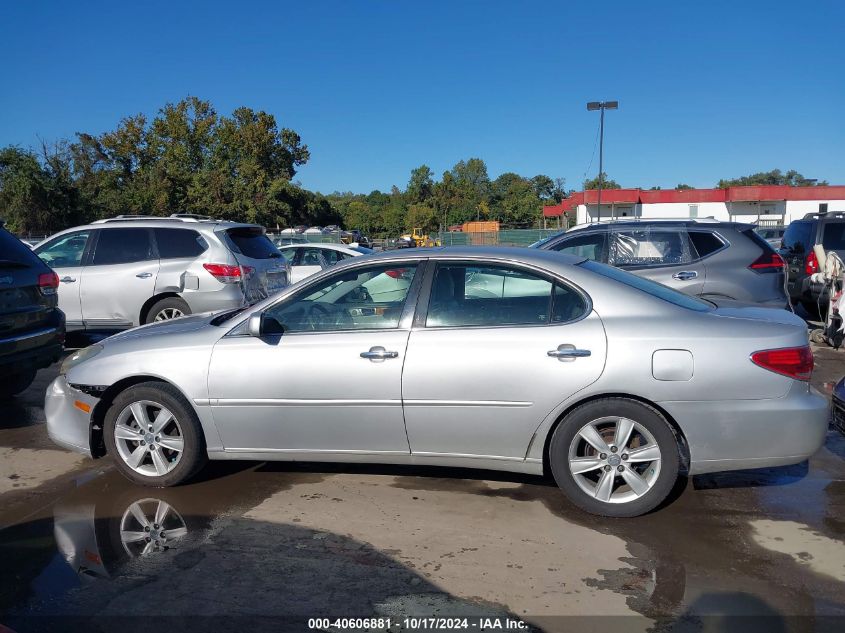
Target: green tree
606,183
774,177
682,187
420,186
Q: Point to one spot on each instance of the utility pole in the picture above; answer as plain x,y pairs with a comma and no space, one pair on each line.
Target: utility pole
602,106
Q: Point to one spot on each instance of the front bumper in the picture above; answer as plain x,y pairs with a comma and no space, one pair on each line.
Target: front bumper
740,434
67,424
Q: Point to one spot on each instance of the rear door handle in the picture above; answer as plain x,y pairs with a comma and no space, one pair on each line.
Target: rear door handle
67,280
568,352
144,275
378,353
685,275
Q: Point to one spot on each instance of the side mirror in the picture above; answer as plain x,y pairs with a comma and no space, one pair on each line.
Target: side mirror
261,324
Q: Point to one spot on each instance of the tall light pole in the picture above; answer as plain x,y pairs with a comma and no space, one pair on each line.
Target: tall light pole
602,106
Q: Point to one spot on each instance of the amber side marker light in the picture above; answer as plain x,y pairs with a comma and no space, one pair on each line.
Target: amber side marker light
82,406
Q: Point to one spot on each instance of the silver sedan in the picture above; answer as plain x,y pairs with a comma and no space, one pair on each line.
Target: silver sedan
508,359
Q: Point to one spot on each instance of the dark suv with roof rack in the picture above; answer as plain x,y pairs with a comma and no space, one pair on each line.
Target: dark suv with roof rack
705,258
827,229
32,328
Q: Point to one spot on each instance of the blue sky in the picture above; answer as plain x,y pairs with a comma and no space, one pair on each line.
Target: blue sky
706,89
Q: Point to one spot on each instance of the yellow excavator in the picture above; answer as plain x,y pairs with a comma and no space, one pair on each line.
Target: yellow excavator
419,239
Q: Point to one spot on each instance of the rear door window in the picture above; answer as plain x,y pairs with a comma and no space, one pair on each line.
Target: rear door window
122,246
649,247
251,243
590,246
799,237
179,243
704,243
487,296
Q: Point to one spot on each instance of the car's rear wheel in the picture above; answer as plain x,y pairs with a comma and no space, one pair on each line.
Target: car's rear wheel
166,309
13,385
154,436
615,457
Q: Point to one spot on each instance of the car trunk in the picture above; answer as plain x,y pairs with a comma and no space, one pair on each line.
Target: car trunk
264,268
24,308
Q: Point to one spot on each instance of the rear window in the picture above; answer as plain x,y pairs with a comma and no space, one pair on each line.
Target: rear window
834,236
252,243
179,243
799,237
649,287
705,243
14,253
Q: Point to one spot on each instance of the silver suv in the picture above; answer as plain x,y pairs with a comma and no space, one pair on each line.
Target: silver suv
131,270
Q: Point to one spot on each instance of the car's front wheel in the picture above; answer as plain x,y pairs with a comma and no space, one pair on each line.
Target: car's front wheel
615,457
154,436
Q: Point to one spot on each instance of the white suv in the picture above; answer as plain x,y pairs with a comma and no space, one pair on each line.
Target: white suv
130,270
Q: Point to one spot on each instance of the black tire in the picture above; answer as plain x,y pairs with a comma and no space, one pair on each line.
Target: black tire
15,384
165,305
649,418
193,456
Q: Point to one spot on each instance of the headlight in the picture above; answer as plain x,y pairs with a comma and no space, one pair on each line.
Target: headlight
78,357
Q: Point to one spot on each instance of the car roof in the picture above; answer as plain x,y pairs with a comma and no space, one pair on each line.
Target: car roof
326,245
688,223
513,254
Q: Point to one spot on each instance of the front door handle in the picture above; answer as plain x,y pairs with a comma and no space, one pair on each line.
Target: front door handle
568,352
144,275
378,353
67,280
685,275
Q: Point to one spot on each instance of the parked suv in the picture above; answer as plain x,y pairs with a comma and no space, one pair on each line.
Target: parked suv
827,229
705,258
132,270
32,328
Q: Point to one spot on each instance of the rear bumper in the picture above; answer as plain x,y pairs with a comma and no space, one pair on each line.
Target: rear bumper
36,349
228,297
67,425
740,434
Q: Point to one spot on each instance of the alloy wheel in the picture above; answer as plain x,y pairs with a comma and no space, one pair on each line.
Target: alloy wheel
148,438
614,459
150,525
165,314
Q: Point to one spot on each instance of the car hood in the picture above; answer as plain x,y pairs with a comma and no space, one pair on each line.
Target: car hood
181,325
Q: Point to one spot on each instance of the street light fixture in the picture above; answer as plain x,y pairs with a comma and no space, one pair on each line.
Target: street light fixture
602,106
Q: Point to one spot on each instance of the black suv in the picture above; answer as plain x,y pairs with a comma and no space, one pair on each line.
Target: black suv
32,328
705,258
827,229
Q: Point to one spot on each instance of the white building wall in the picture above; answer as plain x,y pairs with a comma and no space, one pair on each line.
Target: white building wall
772,212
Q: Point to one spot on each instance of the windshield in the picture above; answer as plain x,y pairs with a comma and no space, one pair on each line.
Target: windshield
649,287
363,250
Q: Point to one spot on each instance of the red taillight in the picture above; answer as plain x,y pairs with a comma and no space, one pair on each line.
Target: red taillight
812,265
767,262
795,362
48,283
224,273
396,273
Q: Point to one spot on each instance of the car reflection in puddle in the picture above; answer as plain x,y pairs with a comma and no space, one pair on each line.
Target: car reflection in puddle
95,547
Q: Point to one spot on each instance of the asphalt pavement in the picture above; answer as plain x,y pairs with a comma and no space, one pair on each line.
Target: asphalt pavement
268,546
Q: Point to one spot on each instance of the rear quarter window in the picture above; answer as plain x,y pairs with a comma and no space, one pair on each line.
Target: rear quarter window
179,243
833,237
755,237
